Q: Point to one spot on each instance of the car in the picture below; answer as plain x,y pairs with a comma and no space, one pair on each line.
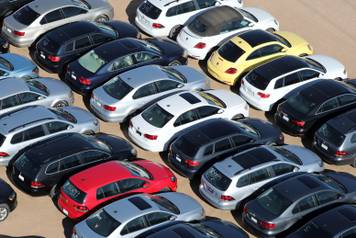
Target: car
233,179
128,92
166,18
44,166
24,26
263,87
7,7
241,53
13,65
31,124
307,108
335,223
110,59
4,46
94,187
161,123
58,47
213,140
335,140
287,202
8,200
16,93
206,31
136,214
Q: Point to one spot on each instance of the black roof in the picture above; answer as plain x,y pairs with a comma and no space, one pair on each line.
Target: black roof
190,98
140,203
257,37
254,157
344,123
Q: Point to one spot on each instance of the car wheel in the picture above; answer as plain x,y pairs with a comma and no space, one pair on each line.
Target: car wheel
174,32
4,211
102,18
60,104
271,30
174,63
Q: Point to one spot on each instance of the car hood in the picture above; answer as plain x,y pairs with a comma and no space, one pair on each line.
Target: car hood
124,29
18,62
268,131
55,87
294,39
192,75
260,14
80,114
169,48
185,203
229,98
116,143
226,229
347,180
333,66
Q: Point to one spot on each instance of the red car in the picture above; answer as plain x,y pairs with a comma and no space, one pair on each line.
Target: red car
100,184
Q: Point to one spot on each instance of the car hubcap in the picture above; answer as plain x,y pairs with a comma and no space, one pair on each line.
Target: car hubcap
3,213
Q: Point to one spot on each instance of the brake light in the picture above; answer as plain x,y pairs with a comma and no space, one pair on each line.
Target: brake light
54,58
226,198
298,123
130,124
81,208
192,163
35,184
200,45
267,225
231,71
341,153
150,137
109,108
19,33
245,210
3,154
84,81
263,95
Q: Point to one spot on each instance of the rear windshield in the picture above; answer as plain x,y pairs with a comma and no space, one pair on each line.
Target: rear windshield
2,139
6,64
257,80
49,45
287,155
117,88
206,230
102,223
186,146
174,74
37,87
217,179
26,166
64,115
156,116
91,61
331,134
150,10
274,202
165,203
316,65
200,28
26,15
137,170
302,104
230,52
73,192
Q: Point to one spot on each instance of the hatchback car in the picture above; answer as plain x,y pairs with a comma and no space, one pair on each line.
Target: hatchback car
208,30
136,214
110,59
286,203
158,125
8,200
56,48
4,46
230,181
264,86
44,166
213,140
7,7
13,65
16,93
24,27
246,51
31,124
103,183
129,91
307,108
166,18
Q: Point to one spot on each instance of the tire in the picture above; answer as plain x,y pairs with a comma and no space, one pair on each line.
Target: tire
4,211
174,32
102,18
174,63
60,104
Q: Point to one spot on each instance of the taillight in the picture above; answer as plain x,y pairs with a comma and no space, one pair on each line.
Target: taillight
245,210
130,124
35,184
84,81
267,225
341,153
54,59
200,45
192,163
3,154
157,25
19,33
263,95
231,71
109,108
226,198
298,123
81,208
150,137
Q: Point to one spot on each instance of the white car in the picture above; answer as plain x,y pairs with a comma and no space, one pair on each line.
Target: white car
206,31
166,17
158,125
265,86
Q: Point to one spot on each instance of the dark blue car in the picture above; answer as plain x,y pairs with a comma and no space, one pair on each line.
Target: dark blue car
4,46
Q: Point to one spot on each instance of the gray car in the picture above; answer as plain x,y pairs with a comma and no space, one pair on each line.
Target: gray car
230,181
23,27
16,93
31,124
13,65
136,214
129,91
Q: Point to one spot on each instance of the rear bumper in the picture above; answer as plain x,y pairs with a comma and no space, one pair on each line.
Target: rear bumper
17,41
150,31
51,68
212,71
82,90
288,128
154,147
331,159
253,102
181,170
219,205
106,116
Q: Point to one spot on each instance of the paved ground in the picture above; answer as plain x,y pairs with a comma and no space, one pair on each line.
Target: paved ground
328,25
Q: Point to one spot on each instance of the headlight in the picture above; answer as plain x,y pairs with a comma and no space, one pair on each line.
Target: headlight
12,197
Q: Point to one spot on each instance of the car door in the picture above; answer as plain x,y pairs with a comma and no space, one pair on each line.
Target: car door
9,103
57,127
284,85
144,58
347,100
155,219
259,177
263,54
51,20
327,107
181,12
134,227
327,197
73,13
303,207
143,95
81,45
121,64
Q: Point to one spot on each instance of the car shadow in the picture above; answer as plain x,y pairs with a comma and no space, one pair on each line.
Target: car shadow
68,227
131,10
5,236
307,142
270,116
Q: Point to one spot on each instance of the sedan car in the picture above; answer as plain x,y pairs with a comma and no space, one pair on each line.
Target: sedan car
94,187
44,166
307,108
265,86
129,92
7,7
108,60
24,27
8,200
213,140
158,125
31,124
13,65
136,214
56,48
246,51
288,202
4,46
16,93
230,181
209,29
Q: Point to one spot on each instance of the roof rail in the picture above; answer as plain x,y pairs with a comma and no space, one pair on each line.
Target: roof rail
15,111
29,123
169,3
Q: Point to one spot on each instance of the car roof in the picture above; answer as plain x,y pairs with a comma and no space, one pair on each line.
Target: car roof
143,75
166,3
43,6
257,37
344,123
10,86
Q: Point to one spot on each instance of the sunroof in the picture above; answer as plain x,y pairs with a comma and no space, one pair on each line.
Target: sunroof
190,98
139,203
309,182
257,37
348,213
183,233
254,157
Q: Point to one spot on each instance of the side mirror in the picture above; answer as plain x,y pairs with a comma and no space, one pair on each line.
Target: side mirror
146,185
180,85
70,127
172,218
251,24
220,111
217,3
284,50
41,97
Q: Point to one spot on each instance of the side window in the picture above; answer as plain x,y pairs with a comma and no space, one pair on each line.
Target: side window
326,197
165,85
254,55
329,105
349,234
186,117
99,38
91,156
29,134
145,91
233,25
28,97
353,138
243,181
73,11
69,162
260,175
222,145
181,9
207,111
206,3
208,150
56,126
305,204
143,57
107,191
271,49
82,43
346,99
51,17
52,168
279,83
2,73
291,79
69,47
134,225
157,218
241,140
122,62
308,74
280,169
127,185
8,102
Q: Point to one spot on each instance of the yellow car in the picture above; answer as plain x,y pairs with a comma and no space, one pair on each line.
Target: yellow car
244,52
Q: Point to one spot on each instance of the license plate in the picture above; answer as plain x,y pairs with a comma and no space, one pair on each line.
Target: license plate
209,189
138,132
285,118
253,219
325,147
65,211
21,177
178,159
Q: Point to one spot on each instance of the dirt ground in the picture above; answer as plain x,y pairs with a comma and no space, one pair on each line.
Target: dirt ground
328,25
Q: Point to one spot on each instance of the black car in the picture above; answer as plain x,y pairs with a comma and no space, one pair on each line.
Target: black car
55,49
310,106
339,222
4,46
40,167
7,7
106,61
8,200
213,140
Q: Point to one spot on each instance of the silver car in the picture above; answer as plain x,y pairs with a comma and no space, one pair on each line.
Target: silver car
23,27
136,214
31,124
230,181
16,93
13,65
129,91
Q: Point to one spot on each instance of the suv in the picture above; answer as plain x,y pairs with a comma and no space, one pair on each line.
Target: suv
167,17
8,200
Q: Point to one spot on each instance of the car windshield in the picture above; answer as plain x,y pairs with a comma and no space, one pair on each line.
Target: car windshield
150,10
156,116
150,46
230,52
289,156
73,192
212,99
205,230
98,144
282,40
331,134
117,88
64,115
248,15
102,223
165,204
91,61
107,29
82,4
332,183
26,15
302,104
273,201
137,170
217,179
37,87
257,80
174,74
186,147
50,44
198,27
315,65
248,129
26,167
6,64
